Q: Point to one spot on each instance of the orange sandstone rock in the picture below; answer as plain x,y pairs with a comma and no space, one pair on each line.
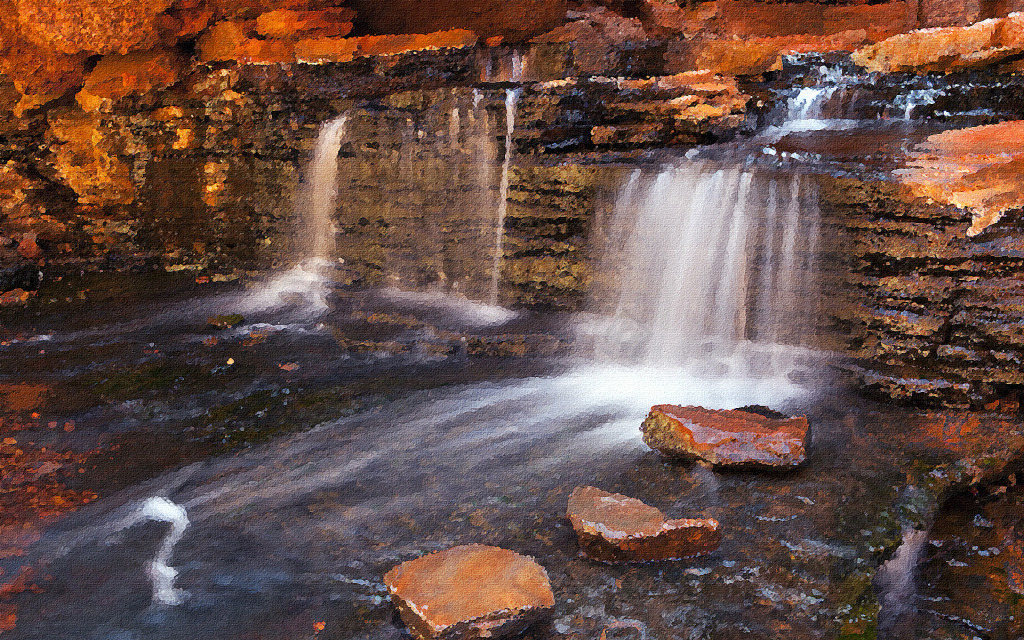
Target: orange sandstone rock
395,44
230,40
980,169
942,13
665,17
116,76
28,247
317,50
756,18
285,23
15,189
223,41
94,26
753,56
470,591
612,527
744,19
513,20
86,162
39,73
946,49
727,438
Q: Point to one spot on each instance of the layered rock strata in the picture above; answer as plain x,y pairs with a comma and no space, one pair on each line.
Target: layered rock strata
612,527
978,45
979,169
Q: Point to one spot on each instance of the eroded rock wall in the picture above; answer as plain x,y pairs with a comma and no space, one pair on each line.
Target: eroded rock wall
934,316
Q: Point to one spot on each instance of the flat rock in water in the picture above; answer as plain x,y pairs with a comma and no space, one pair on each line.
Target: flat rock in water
733,437
470,591
612,527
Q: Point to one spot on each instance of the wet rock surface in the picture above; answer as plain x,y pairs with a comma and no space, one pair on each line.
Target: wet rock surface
471,591
612,527
727,438
796,558
300,529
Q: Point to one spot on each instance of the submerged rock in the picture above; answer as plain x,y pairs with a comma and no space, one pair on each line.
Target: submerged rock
735,437
225,321
612,527
470,591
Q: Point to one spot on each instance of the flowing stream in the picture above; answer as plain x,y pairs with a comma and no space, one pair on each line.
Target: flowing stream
709,297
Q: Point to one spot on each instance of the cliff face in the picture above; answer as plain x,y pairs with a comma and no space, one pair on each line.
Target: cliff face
174,134
933,314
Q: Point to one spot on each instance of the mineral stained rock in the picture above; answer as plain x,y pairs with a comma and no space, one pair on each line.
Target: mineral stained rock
727,438
93,26
612,527
977,169
470,591
947,49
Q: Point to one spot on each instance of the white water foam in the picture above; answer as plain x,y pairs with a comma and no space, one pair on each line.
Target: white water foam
457,307
715,292
160,573
306,283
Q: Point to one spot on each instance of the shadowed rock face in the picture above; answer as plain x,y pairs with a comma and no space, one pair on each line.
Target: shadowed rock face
470,591
726,438
612,527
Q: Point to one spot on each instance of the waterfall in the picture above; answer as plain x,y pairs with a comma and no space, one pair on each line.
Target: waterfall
915,98
320,195
809,103
511,100
715,270
306,281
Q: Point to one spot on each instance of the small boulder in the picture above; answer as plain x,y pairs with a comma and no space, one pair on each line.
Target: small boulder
727,438
612,527
470,591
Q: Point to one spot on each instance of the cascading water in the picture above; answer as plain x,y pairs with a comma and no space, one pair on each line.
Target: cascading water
469,151
916,98
307,280
321,190
809,103
511,101
715,271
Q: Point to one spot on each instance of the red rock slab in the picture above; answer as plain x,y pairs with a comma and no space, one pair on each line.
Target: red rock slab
470,591
753,56
612,527
728,438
